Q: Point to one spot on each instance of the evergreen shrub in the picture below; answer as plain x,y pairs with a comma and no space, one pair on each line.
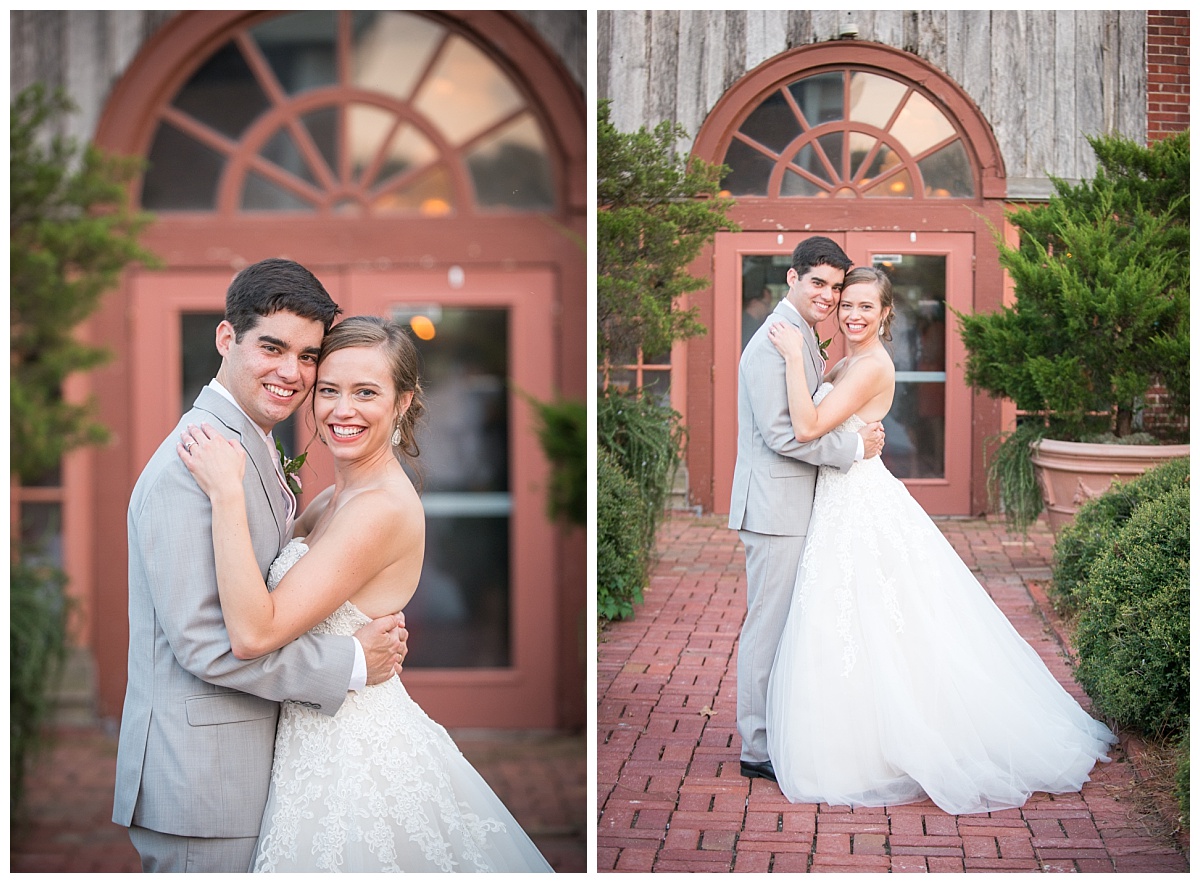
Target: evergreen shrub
1132,634
1097,523
621,553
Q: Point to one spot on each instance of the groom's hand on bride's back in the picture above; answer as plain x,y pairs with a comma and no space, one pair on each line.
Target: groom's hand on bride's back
872,435
385,644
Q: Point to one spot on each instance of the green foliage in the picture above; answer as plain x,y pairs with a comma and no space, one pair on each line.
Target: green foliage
657,210
1097,523
621,553
1101,276
71,233
1132,634
1012,478
647,440
38,609
640,444
562,431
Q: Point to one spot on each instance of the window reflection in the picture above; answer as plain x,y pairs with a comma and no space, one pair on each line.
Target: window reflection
301,49
916,424
427,89
391,49
772,123
459,112
873,99
462,604
883,121
512,168
921,125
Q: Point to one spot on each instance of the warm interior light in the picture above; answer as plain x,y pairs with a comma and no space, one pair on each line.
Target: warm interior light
435,206
897,187
423,327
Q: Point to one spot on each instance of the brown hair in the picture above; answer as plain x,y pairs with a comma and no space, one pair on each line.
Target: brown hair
403,361
883,285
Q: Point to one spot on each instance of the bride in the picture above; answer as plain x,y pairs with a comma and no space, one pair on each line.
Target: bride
897,677
378,786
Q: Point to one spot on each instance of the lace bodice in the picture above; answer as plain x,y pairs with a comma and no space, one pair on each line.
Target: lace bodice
346,620
379,785
853,423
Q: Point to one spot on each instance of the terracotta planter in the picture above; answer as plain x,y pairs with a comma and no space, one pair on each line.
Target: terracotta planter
1071,473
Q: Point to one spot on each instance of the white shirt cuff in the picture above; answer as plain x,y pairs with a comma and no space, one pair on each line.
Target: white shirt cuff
358,678
861,449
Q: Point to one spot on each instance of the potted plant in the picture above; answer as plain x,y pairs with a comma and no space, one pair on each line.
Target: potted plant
1094,348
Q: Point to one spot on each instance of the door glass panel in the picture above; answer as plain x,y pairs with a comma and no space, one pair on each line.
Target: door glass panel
764,283
198,332
916,425
461,610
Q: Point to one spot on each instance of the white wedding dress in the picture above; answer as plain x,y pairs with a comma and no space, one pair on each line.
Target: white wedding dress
379,786
898,678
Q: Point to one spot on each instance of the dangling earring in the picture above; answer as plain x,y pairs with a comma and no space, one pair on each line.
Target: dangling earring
396,436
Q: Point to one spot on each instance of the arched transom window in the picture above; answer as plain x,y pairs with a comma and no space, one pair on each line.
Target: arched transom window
359,113
849,133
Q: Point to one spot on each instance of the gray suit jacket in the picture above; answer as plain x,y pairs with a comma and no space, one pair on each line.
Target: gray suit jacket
775,477
198,727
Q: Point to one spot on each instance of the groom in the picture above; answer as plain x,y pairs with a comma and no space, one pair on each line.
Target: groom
775,478
198,726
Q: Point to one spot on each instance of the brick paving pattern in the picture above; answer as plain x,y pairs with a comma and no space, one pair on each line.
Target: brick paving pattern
670,793
67,827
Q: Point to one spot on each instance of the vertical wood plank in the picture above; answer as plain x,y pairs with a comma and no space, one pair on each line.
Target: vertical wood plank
977,50
688,90
889,27
1066,130
1088,77
766,35
1132,88
1040,122
800,28
663,67
628,70
932,39
1008,104
605,19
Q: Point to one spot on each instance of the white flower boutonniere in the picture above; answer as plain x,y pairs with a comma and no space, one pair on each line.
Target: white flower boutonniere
823,348
291,466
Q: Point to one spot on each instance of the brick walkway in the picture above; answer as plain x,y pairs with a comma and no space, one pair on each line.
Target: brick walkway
542,779
670,794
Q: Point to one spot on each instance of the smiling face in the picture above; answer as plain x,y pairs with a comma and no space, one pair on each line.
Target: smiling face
860,312
814,295
355,402
270,371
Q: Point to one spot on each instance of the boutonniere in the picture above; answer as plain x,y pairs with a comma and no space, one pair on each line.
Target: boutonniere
291,466
823,348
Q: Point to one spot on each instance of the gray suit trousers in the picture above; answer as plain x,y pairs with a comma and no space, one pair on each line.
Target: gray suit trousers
170,853
771,566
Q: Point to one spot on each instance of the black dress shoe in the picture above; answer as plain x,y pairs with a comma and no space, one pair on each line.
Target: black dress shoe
762,770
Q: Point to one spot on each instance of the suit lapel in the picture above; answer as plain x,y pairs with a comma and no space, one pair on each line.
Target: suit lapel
812,349
261,460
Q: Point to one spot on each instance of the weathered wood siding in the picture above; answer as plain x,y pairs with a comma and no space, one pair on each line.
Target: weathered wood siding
1042,79
86,51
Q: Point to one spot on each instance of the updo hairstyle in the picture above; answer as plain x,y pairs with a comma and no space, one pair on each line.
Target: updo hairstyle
883,285
403,364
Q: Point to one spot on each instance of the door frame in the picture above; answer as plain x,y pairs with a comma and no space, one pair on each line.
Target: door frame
522,695
950,495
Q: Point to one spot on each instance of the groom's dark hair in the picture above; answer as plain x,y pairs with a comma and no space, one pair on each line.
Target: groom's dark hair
818,250
272,285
